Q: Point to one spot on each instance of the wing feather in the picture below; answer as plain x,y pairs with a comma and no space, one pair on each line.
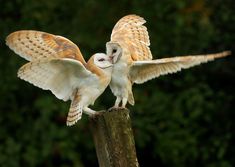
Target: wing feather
142,71
60,76
35,45
130,32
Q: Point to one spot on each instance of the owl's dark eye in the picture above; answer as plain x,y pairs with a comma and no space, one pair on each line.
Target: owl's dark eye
102,59
114,50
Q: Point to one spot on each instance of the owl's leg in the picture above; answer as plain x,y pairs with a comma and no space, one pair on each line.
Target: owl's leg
124,101
118,100
116,105
89,111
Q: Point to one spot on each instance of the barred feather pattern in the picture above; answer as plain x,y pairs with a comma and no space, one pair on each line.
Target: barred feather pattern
75,111
131,34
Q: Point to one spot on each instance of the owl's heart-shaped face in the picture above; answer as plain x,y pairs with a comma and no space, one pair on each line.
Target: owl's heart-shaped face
114,51
102,61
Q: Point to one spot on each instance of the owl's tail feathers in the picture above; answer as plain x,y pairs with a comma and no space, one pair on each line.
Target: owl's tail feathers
75,113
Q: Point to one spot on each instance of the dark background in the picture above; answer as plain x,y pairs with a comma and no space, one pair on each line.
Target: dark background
180,120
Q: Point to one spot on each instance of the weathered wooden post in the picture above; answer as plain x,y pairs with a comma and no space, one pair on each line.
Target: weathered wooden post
113,137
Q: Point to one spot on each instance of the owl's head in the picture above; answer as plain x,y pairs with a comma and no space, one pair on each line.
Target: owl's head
102,61
114,51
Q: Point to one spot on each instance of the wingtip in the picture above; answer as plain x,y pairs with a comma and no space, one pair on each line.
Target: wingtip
227,52
223,54
9,36
7,39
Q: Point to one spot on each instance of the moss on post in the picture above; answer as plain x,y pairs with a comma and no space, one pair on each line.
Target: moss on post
113,137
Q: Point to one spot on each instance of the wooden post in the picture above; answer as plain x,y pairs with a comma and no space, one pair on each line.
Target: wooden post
113,137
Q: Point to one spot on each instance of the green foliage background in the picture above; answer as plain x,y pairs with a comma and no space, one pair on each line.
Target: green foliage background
184,119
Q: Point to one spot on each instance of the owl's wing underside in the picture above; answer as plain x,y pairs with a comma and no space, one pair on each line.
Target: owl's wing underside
34,45
130,32
60,76
142,71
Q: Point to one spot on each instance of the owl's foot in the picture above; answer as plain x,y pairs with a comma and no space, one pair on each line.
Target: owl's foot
117,104
116,108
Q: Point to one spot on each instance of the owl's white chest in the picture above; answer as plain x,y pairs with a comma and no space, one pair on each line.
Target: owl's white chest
90,93
120,81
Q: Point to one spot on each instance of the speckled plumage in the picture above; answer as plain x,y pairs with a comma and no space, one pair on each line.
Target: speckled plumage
56,64
34,45
132,58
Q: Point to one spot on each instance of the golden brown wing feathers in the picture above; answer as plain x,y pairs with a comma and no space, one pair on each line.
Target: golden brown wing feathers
130,32
34,45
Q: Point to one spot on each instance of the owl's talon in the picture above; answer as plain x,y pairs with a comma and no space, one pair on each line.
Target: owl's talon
115,108
112,108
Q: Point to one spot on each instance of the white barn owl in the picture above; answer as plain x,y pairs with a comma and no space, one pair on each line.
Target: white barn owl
132,58
56,64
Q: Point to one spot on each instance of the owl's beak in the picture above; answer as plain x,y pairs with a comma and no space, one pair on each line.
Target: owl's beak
111,59
109,64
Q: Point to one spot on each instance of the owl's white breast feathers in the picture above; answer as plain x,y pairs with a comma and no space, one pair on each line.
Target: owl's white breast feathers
60,76
142,71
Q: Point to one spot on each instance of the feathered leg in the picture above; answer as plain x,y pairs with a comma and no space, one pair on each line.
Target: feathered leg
117,102
124,101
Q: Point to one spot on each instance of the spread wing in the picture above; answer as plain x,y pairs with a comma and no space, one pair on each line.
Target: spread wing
35,45
60,76
130,32
142,71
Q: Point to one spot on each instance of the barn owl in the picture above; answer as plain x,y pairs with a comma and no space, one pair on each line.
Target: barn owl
132,58
56,64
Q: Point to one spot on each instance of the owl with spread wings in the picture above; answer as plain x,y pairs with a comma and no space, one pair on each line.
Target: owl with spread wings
132,58
56,64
